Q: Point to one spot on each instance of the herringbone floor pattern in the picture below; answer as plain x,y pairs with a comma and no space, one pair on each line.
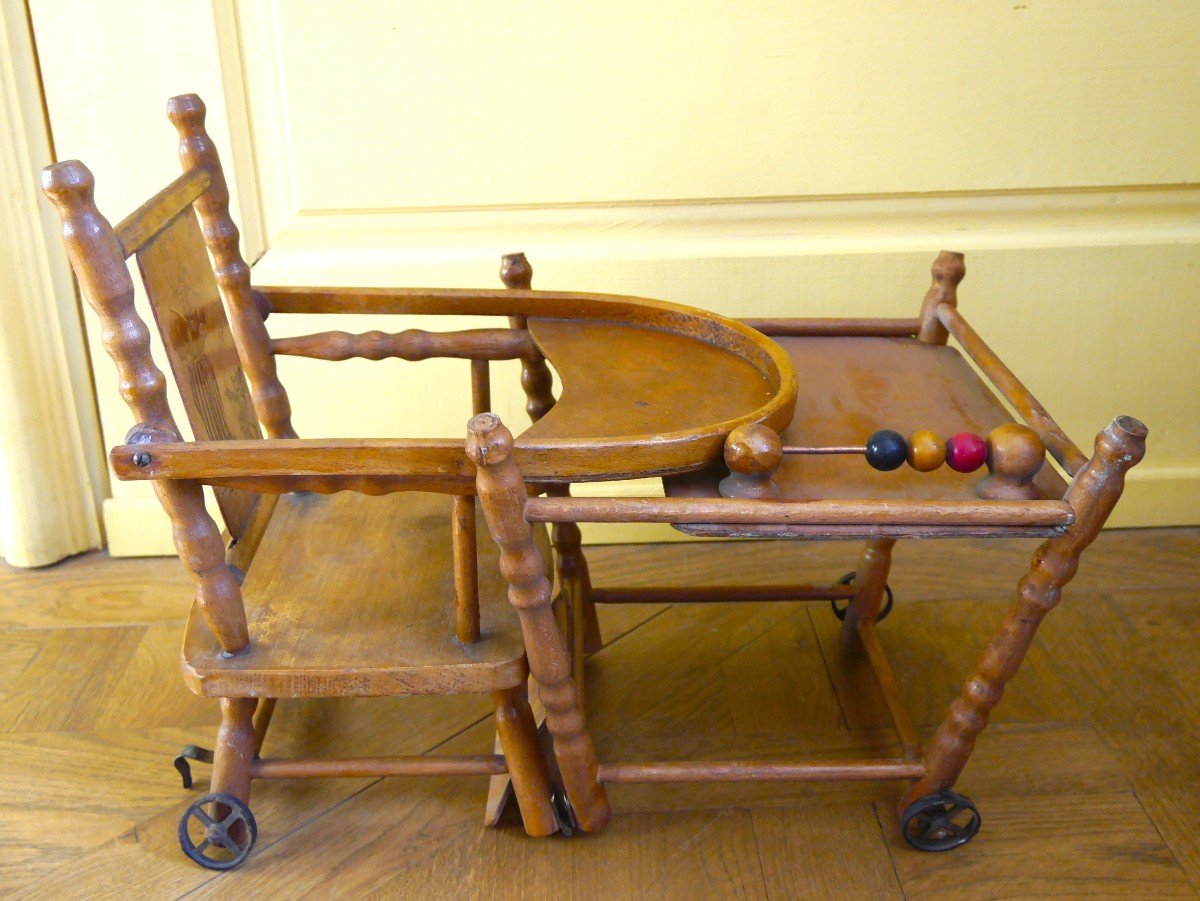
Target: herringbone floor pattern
1088,779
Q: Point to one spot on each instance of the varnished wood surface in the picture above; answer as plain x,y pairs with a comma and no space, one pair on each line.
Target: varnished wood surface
851,387
621,382
199,346
1086,779
355,595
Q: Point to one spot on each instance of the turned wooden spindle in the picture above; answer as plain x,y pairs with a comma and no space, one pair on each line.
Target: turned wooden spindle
584,627
236,747
753,453
196,149
1092,494
466,569
99,265
517,274
502,495
948,270
1015,454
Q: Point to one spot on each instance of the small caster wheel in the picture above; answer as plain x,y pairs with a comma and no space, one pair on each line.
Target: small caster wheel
940,822
563,811
191,752
226,831
839,610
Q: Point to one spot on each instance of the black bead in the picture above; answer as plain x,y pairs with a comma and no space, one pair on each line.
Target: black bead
886,450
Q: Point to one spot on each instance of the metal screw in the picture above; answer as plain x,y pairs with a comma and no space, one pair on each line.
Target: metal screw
141,458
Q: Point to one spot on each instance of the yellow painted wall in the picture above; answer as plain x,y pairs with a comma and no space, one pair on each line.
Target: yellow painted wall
753,158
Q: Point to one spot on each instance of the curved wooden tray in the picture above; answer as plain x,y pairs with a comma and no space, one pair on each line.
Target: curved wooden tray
651,397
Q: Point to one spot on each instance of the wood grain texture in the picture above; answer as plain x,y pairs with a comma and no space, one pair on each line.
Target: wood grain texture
1108,793
147,221
856,386
99,266
377,617
199,346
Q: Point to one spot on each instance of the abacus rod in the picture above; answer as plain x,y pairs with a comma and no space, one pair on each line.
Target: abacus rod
788,449
1062,448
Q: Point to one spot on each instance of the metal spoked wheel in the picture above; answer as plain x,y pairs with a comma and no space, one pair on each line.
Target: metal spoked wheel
217,831
940,822
839,609
563,811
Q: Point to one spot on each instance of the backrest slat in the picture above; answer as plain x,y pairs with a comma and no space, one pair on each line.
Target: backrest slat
140,226
199,344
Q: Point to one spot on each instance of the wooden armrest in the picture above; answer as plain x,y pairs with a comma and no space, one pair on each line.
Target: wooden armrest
204,461
411,344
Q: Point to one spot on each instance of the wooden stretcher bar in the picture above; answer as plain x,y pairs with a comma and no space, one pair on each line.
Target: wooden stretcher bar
760,771
835,328
1062,448
362,767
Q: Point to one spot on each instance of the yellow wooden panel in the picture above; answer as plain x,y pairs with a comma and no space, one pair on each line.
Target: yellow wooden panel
466,104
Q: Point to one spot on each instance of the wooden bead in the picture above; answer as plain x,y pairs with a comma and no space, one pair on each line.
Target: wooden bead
965,452
926,451
886,450
1015,454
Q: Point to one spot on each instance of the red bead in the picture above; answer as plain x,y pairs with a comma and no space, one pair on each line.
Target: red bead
965,452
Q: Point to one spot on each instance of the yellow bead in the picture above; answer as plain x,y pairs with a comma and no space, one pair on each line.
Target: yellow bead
926,451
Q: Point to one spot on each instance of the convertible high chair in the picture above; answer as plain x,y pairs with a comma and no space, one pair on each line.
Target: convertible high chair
878,442
310,593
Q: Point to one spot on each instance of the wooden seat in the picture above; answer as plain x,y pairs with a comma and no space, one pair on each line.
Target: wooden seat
354,595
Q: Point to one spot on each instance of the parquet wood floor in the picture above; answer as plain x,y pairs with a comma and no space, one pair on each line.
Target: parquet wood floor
1088,779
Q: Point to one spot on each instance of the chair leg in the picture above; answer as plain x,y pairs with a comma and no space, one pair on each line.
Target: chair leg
527,769
582,630
502,495
1093,494
235,748
870,581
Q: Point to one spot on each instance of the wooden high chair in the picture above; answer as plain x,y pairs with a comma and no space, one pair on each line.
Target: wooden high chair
311,593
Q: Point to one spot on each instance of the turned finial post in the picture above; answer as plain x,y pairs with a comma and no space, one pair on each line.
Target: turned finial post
246,308
948,270
502,495
1092,495
517,275
99,263
753,453
1015,455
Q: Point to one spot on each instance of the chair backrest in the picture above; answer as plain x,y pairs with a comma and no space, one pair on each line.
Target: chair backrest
199,345
210,353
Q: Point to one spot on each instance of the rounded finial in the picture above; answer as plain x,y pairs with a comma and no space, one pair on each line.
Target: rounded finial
68,184
949,268
752,452
186,110
1123,440
515,271
753,449
1015,454
488,440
